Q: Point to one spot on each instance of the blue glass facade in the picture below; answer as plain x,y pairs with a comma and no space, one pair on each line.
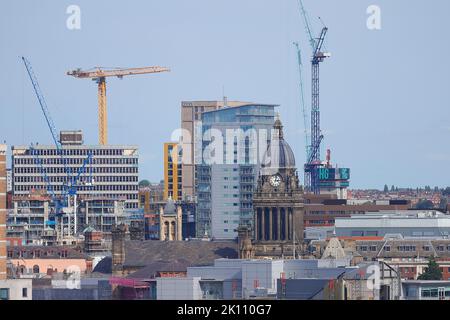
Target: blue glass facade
225,187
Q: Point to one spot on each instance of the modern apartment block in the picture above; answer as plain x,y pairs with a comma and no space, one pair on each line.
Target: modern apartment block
172,171
114,169
2,211
225,188
191,143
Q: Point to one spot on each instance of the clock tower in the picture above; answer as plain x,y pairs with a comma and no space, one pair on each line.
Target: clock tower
278,201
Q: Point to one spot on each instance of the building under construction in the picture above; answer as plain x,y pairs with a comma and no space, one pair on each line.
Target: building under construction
107,186
30,218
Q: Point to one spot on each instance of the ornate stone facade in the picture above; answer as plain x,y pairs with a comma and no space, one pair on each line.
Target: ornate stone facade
170,222
278,204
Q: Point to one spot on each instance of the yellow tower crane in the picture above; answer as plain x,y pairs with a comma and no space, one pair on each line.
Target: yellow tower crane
99,75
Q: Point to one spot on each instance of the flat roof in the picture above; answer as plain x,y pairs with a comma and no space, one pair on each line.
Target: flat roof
76,146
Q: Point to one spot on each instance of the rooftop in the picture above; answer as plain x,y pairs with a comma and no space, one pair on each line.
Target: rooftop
194,253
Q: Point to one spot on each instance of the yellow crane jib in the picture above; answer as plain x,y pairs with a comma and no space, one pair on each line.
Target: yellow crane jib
99,75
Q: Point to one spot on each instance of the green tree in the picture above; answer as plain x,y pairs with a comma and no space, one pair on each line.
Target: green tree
432,272
144,183
446,191
424,204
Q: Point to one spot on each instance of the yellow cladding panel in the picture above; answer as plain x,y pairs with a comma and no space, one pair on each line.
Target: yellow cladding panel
171,170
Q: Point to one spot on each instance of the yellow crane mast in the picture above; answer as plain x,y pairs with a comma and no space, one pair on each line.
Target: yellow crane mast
99,75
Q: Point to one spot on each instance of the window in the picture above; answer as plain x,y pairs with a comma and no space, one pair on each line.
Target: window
35,268
432,292
4,294
24,292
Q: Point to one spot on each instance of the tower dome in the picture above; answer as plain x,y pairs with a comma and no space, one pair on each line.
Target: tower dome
279,154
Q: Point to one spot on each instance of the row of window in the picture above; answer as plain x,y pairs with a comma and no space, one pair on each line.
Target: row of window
51,170
227,221
4,293
75,161
36,254
95,187
434,293
403,248
79,152
40,179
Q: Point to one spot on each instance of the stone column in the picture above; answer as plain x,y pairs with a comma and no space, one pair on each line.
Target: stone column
263,224
179,224
270,223
286,225
278,224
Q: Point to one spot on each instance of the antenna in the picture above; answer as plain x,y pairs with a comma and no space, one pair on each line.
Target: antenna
225,99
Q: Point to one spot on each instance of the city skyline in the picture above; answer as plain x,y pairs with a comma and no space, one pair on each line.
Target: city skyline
379,117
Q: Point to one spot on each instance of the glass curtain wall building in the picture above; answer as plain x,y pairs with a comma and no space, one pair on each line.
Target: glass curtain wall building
234,140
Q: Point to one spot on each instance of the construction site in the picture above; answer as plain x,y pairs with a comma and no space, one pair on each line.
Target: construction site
60,190
80,220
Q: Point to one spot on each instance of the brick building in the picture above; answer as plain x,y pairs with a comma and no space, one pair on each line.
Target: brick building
2,211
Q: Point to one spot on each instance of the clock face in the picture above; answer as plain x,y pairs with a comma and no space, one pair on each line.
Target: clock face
275,180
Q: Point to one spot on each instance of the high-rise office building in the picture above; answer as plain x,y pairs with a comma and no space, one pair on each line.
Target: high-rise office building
2,211
172,171
111,173
190,124
225,185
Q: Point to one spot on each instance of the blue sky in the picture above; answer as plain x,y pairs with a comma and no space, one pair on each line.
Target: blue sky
385,94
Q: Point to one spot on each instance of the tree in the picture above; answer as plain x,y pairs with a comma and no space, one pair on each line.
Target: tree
432,272
443,203
144,183
386,188
446,191
424,204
